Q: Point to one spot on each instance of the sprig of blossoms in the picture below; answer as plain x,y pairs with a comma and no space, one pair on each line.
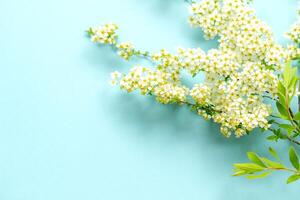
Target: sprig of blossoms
294,36
126,50
237,74
245,68
105,34
294,33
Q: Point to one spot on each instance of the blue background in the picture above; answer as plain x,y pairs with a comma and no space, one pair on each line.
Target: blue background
66,134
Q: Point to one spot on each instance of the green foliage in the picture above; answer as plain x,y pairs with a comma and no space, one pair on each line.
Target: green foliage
255,159
274,153
294,158
262,175
282,110
287,128
297,116
293,178
262,167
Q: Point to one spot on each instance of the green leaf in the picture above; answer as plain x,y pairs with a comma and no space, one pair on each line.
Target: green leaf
272,163
249,167
293,82
281,109
294,158
255,159
281,89
272,138
287,73
281,98
271,121
286,126
293,178
297,116
276,132
289,128
273,153
239,173
279,134
259,175
290,78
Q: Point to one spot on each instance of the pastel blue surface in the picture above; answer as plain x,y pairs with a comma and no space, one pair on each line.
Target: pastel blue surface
66,134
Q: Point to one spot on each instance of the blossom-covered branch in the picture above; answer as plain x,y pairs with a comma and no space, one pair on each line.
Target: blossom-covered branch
238,73
248,67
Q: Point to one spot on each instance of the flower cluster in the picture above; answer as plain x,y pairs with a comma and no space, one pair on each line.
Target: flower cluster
294,35
105,34
237,74
293,51
114,77
201,94
126,50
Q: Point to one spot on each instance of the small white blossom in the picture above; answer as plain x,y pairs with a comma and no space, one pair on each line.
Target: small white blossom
114,77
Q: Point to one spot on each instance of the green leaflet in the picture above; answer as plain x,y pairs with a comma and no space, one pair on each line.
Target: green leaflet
281,89
297,116
289,128
293,178
249,167
272,138
272,164
273,153
281,109
281,98
288,74
239,173
255,159
263,175
292,84
294,158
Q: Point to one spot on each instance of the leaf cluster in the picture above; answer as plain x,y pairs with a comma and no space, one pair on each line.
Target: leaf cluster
261,167
286,123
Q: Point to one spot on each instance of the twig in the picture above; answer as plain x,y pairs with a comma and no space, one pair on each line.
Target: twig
275,116
292,140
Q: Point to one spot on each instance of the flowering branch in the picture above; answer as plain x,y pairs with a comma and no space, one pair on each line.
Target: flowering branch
236,75
125,50
239,75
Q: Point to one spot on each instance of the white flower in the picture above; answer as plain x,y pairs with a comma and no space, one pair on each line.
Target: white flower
114,77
